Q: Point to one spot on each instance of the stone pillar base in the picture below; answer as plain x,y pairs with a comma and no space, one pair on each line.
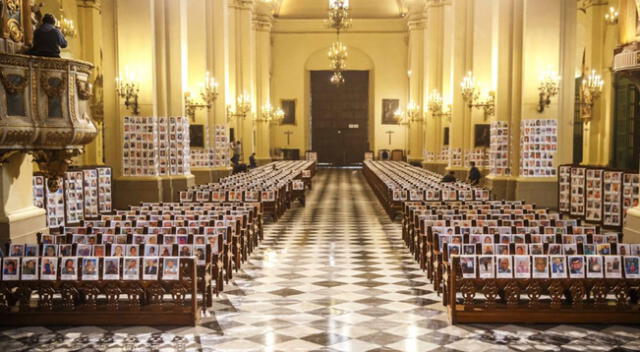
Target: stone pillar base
501,187
435,166
133,190
542,192
263,161
23,225
461,173
205,176
178,184
20,220
631,228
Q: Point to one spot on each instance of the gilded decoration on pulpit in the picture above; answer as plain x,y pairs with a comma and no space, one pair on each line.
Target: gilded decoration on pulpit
13,25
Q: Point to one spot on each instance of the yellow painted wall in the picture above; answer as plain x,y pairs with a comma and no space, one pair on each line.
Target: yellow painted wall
301,45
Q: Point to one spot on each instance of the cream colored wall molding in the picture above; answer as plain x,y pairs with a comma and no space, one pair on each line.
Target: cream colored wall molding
242,5
438,3
95,4
307,26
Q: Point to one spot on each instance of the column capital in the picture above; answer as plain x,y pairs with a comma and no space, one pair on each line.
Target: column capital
417,17
263,16
242,4
438,3
96,4
262,22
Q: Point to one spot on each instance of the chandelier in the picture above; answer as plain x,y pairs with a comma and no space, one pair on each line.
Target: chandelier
337,78
339,16
338,55
339,19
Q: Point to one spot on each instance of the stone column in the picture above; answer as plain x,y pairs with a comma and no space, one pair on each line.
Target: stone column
461,63
90,23
157,54
507,45
172,73
627,27
600,43
549,40
20,220
416,23
262,24
433,77
217,34
245,80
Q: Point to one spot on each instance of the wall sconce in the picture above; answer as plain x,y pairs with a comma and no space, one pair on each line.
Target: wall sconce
611,18
127,87
401,117
435,106
549,86
66,25
589,92
269,114
413,112
208,94
411,115
242,108
471,96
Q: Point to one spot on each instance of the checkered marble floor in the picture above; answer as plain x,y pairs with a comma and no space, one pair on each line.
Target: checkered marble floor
332,276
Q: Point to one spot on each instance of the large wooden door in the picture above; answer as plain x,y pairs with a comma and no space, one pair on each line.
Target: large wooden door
339,117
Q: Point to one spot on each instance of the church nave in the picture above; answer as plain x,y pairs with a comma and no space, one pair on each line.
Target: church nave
331,276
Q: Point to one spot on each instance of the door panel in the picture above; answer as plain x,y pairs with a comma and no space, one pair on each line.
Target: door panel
339,117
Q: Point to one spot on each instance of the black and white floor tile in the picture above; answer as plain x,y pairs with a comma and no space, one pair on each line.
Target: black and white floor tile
332,276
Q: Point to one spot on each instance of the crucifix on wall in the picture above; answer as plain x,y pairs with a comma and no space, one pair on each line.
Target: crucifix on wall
288,133
389,133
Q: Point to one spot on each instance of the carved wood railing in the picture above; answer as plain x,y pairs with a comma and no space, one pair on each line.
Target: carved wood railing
540,300
116,302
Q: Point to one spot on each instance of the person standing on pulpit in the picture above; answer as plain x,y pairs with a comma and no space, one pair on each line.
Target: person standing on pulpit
47,39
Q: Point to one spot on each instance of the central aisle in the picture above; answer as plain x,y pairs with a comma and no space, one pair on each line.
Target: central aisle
335,276
332,274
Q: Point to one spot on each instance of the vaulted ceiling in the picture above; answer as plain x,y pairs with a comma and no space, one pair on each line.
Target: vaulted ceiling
319,8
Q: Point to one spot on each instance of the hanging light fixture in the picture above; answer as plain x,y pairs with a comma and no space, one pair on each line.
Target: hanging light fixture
339,15
337,78
338,55
339,19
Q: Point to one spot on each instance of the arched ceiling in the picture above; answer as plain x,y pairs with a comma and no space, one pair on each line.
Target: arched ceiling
319,8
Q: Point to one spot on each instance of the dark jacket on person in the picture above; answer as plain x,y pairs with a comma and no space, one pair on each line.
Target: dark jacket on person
252,162
474,175
235,159
448,178
47,41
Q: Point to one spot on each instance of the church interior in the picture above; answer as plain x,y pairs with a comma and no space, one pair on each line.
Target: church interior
326,175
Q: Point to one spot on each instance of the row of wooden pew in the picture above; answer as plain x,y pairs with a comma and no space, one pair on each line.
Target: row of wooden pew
209,240
510,262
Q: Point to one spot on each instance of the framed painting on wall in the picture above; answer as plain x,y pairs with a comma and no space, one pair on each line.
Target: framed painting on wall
482,137
446,136
196,136
389,107
289,108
